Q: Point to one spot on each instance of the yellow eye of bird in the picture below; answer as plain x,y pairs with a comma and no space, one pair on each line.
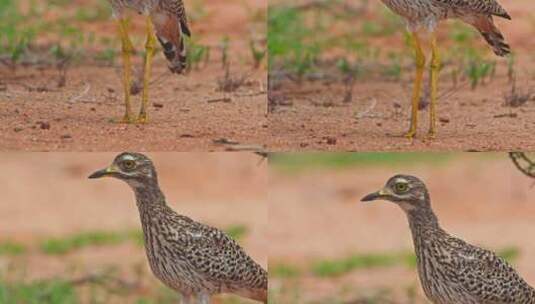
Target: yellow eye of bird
401,187
129,164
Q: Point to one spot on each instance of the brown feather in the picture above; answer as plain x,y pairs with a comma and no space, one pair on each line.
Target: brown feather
493,36
170,34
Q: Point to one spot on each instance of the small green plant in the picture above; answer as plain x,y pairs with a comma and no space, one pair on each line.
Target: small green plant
510,254
350,70
291,44
11,248
59,53
106,55
477,71
224,46
393,69
283,270
297,162
197,53
461,34
327,268
47,292
56,246
344,66
15,37
237,232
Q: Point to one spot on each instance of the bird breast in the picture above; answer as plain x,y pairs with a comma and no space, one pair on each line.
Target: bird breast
435,278
418,13
140,6
172,267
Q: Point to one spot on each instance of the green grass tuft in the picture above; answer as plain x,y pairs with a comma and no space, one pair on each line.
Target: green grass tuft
299,161
328,268
56,246
510,254
39,292
11,248
284,270
290,42
237,232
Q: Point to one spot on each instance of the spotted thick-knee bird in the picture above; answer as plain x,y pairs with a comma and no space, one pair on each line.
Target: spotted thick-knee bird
451,271
165,18
427,14
194,259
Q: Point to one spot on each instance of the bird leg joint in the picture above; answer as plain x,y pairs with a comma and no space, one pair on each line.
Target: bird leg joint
420,59
150,45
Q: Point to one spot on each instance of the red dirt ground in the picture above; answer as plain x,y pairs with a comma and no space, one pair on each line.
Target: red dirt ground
316,118
57,199
78,116
318,214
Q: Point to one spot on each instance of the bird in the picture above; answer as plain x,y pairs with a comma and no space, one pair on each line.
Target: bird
426,15
451,270
165,19
194,259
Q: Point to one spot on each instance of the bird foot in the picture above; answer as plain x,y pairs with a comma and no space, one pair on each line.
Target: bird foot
142,118
411,134
431,134
127,119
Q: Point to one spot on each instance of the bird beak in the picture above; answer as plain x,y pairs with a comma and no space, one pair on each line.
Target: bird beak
104,172
376,195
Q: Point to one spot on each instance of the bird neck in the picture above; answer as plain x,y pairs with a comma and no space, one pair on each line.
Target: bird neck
422,222
148,194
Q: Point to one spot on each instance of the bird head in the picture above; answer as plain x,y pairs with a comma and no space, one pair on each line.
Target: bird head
135,169
407,191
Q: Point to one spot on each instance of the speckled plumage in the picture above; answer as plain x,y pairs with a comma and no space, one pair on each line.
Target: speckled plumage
428,13
192,258
452,271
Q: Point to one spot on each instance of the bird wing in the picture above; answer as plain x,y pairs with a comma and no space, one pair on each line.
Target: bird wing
486,277
215,256
177,8
486,7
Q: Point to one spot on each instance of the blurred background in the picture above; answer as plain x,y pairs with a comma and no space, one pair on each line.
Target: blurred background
328,247
67,239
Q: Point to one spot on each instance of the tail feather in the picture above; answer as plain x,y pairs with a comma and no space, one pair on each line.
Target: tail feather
175,54
170,33
185,29
492,35
497,42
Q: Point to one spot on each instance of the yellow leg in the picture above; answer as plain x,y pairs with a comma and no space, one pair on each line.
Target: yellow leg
435,68
127,50
149,49
420,64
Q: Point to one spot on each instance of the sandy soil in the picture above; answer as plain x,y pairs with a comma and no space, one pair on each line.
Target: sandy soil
38,116
315,117
181,116
57,199
319,215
